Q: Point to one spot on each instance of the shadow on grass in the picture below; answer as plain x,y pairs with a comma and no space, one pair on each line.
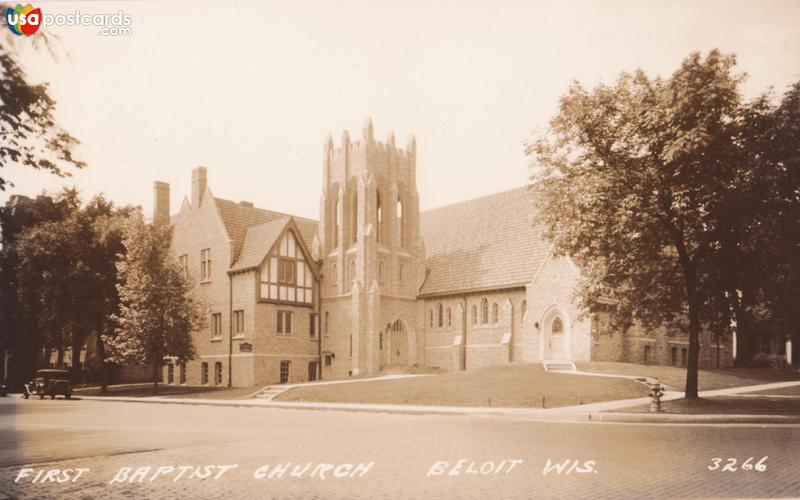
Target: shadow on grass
726,405
171,391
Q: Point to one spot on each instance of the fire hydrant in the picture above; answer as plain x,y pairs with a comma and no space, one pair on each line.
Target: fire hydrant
656,393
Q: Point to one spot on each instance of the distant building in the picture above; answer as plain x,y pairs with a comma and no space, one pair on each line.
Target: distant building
377,285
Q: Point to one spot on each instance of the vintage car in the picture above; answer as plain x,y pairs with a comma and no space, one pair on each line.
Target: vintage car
49,382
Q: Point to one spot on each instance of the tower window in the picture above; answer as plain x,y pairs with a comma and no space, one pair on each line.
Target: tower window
440,315
449,317
474,315
378,217
430,317
495,314
484,312
401,223
336,211
354,228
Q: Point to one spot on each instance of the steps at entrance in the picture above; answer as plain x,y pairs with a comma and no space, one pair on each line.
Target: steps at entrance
559,366
271,391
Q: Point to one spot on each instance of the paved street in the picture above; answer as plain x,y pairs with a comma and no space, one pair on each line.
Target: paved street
630,461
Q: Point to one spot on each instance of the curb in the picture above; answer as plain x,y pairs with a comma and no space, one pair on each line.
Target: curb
537,415
683,418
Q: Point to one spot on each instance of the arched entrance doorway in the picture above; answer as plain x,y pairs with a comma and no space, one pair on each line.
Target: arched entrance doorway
397,345
556,336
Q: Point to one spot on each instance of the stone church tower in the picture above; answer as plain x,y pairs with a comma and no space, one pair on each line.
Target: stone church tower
373,257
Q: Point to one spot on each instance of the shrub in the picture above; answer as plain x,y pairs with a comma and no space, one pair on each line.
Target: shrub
764,360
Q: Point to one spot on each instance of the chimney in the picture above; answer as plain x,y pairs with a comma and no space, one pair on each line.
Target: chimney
160,203
199,182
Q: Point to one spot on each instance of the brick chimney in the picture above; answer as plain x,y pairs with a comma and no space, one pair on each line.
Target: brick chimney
199,183
160,202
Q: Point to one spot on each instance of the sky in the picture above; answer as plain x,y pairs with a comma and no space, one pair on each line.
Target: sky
251,89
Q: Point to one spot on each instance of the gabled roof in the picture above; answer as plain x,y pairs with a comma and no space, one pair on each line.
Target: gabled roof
486,243
257,242
238,218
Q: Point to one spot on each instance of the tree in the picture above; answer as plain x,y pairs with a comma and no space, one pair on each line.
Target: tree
67,275
20,333
157,312
29,134
625,185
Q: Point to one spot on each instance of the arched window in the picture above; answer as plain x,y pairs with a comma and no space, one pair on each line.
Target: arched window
354,229
474,315
336,212
327,322
484,312
523,310
430,317
558,327
402,272
381,272
440,315
495,314
401,223
449,317
334,274
378,217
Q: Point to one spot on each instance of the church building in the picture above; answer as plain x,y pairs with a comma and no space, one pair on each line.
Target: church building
376,285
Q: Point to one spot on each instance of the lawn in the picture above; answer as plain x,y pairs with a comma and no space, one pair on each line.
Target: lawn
786,391
709,379
516,385
726,405
170,391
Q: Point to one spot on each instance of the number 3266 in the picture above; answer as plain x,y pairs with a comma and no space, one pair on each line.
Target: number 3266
730,464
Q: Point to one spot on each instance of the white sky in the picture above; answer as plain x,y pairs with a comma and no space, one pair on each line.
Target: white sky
251,89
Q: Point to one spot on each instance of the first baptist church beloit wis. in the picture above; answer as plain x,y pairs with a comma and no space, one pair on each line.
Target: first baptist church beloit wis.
375,285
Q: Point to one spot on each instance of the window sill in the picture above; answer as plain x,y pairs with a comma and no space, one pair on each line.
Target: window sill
238,337
216,339
205,282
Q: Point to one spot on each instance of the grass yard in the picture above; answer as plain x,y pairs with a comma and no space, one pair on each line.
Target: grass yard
516,385
170,391
786,391
709,379
726,405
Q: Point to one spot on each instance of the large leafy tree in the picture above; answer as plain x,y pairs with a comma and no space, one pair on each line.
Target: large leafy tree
628,182
67,275
20,333
29,134
157,310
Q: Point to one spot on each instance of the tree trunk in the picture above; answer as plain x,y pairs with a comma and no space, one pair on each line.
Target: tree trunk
692,366
101,353
76,361
693,300
745,341
155,378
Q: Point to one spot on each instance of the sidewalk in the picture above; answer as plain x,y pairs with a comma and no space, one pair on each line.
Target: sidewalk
595,412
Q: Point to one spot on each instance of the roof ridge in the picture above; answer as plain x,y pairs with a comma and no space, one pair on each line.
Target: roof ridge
273,212
478,198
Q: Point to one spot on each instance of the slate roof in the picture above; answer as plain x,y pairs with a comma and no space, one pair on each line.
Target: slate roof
486,243
239,218
257,242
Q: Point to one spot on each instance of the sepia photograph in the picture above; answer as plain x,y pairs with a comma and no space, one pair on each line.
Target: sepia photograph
356,249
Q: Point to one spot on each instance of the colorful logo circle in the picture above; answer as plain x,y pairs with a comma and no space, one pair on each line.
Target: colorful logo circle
24,20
